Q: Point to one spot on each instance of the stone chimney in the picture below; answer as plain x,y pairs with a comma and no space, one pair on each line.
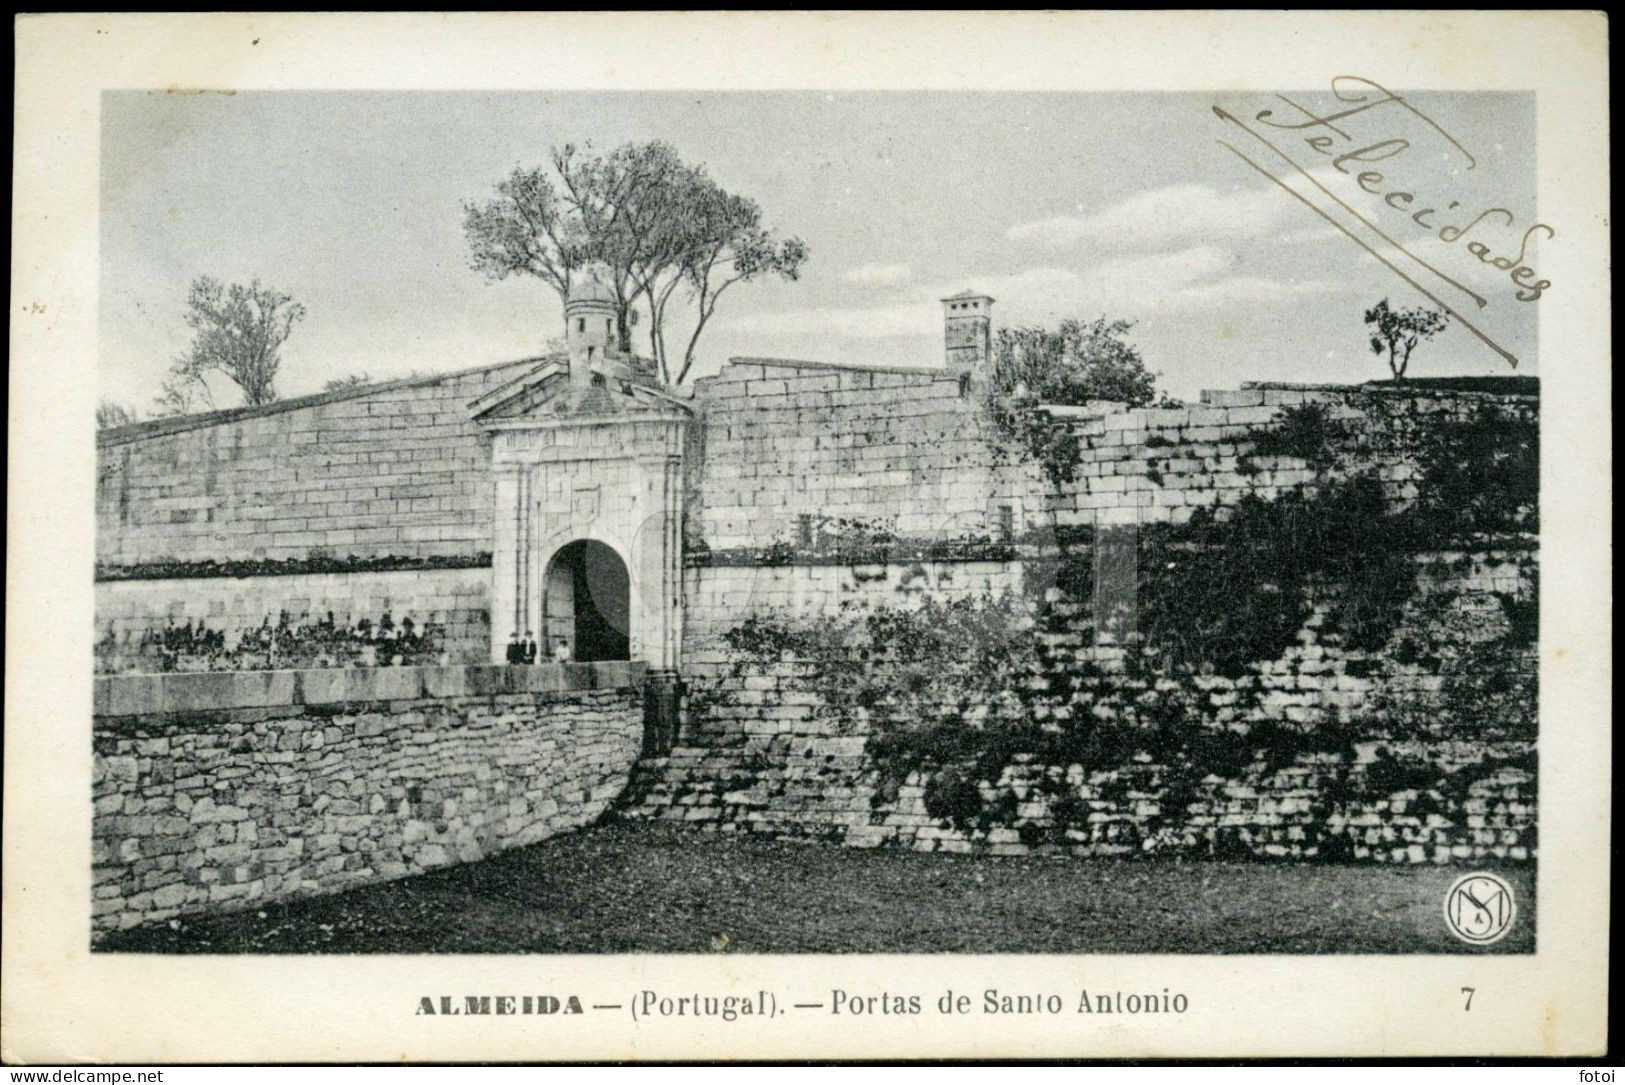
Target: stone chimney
967,332
589,326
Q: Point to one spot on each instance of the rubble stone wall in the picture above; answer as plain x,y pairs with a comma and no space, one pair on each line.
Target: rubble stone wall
223,791
815,490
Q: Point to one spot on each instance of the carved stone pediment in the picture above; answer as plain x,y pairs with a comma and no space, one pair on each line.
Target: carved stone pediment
545,394
594,463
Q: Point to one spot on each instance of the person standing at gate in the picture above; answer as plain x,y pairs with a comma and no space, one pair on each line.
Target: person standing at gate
516,652
529,647
561,651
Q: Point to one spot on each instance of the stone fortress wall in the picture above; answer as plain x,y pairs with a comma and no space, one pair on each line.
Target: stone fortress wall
308,506
840,452
827,496
830,496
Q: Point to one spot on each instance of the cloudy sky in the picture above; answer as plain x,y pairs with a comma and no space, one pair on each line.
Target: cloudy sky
1057,205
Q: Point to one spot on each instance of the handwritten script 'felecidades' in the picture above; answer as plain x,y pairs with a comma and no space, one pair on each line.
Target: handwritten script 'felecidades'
1493,236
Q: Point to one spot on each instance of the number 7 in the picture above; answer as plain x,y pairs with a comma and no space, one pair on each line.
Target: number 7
1468,991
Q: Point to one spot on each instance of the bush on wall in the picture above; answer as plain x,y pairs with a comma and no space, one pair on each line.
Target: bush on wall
958,691
285,644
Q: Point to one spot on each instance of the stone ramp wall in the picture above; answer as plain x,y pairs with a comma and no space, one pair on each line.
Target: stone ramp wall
222,791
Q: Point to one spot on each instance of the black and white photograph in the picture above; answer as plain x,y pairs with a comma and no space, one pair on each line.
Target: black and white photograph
733,523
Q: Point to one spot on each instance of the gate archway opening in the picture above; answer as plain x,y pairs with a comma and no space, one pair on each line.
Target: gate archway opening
587,603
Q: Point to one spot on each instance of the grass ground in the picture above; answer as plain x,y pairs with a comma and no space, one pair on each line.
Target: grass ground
636,888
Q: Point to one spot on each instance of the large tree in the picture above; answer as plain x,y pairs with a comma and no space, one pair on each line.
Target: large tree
728,245
628,210
1071,364
663,228
1398,332
238,333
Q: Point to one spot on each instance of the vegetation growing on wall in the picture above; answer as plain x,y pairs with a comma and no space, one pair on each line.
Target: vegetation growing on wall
959,691
851,542
1480,474
1306,432
282,645
1396,333
1225,594
1488,688
1078,362
1476,473
979,682
316,562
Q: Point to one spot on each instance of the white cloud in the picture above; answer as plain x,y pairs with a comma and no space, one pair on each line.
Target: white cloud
1193,278
878,274
1247,290
1139,285
1310,234
1165,270
1179,214
1032,286
1186,280
895,321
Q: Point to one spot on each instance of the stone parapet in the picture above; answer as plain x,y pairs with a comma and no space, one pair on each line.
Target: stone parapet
148,695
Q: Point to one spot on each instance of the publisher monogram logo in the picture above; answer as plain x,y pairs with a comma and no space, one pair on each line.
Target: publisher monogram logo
1479,908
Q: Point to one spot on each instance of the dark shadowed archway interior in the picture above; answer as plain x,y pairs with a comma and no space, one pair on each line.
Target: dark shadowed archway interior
587,603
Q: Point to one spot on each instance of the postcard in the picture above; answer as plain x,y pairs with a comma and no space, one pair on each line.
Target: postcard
773,536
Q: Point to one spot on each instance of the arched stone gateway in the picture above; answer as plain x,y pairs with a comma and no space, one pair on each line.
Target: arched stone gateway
586,604
587,454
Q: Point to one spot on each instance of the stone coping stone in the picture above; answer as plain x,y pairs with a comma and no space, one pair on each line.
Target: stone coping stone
902,552
348,565
158,694
164,427
751,368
